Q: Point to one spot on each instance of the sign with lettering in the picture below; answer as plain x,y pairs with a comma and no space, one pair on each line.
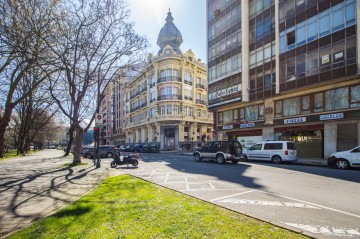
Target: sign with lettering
228,126
332,116
248,125
295,120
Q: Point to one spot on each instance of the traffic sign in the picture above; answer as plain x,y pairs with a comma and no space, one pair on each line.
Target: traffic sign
98,120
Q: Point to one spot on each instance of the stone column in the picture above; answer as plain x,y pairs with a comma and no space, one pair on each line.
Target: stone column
245,50
277,48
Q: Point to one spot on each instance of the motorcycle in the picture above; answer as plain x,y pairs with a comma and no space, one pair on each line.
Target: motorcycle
121,160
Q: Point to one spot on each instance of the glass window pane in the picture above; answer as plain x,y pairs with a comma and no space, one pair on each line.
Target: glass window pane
324,25
318,102
291,106
337,99
301,36
350,14
312,31
338,19
355,94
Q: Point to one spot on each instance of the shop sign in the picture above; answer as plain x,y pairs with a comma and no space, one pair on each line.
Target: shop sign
248,125
332,116
228,126
295,120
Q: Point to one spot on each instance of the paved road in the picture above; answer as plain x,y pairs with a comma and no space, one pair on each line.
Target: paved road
323,202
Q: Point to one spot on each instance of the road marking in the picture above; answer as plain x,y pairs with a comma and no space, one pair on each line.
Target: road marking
268,203
233,195
313,204
329,231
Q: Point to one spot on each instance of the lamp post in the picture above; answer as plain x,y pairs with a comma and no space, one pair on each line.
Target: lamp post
100,120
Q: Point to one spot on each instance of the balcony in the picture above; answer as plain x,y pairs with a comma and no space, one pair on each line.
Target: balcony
188,82
152,100
200,102
200,86
143,90
169,97
168,79
188,98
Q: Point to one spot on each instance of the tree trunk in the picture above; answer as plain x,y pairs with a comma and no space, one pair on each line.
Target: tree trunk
78,144
4,122
71,140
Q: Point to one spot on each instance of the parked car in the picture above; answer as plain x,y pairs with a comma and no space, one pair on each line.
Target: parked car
128,148
220,151
345,159
274,151
120,147
138,148
104,151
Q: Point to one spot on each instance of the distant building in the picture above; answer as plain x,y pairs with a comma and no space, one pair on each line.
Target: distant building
167,102
286,70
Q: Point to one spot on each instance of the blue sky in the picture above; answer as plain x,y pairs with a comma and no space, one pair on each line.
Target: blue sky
189,17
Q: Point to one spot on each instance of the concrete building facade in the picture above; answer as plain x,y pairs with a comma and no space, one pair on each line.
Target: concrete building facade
167,102
285,70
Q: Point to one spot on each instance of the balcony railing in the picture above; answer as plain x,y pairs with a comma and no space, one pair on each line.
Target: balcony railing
201,102
168,78
169,97
188,82
200,86
152,85
152,100
188,98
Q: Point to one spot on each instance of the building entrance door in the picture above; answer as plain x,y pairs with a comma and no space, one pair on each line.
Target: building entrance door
169,138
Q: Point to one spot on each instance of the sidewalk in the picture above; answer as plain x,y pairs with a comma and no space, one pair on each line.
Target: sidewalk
38,185
300,161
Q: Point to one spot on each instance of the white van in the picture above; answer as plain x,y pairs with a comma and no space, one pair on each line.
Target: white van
274,151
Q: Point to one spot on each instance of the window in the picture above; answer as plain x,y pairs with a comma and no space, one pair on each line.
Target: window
272,146
312,62
305,104
236,115
278,108
337,99
312,30
338,19
324,23
350,14
290,38
355,96
228,117
175,109
162,110
251,113
301,35
291,106
169,109
318,102
220,118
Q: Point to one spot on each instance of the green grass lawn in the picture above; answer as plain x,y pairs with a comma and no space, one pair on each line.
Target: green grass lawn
127,207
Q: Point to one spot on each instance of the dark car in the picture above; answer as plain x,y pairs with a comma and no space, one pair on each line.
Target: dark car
138,148
128,148
104,151
220,151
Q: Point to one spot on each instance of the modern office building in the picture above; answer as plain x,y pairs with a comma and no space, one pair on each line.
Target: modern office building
167,102
285,70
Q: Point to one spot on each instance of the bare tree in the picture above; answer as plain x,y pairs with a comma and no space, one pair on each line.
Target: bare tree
23,27
32,114
94,43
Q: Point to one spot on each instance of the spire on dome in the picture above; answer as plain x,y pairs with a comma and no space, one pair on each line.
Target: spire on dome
169,35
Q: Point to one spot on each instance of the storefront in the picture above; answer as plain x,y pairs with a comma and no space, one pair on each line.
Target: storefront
309,139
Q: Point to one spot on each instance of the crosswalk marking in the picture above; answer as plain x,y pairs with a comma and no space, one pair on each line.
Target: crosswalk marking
268,203
326,230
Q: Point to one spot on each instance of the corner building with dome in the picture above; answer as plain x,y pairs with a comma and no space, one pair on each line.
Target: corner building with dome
167,102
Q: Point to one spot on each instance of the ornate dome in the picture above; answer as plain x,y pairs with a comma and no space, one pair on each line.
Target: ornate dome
169,35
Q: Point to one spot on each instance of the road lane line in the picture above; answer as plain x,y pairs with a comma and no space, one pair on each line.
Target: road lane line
267,203
313,204
233,195
326,230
